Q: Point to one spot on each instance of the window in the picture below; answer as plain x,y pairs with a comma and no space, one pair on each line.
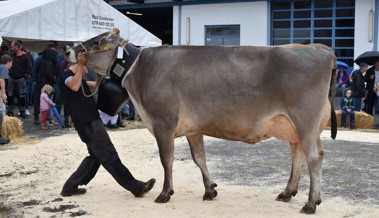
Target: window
222,35
330,22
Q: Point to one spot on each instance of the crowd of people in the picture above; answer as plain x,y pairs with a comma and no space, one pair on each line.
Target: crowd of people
58,84
360,91
24,78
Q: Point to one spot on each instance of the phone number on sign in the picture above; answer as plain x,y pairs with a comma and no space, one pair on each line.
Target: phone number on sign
102,23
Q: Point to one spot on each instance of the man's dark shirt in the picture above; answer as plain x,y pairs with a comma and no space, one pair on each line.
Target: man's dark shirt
21,67
82,109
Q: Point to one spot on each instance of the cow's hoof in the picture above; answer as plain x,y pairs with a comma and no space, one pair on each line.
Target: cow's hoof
284,197
208,196
212,193
164,198
308,209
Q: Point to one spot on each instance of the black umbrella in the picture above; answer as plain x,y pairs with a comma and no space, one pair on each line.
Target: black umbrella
370,57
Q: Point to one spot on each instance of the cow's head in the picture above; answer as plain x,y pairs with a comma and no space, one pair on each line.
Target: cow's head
100,50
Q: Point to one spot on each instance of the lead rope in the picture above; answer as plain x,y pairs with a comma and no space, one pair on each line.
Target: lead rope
81,84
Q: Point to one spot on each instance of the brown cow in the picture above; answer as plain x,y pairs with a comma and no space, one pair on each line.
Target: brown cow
245,93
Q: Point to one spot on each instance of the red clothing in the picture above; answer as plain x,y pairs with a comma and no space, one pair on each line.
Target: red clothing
345,78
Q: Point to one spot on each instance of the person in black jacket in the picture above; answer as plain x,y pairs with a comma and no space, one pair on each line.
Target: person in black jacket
358,85
46,75
371,94
21,69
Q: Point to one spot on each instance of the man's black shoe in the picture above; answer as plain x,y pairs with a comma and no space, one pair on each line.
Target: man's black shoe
4,141
77,191
130,117
146,188
22,114
120,125
66,126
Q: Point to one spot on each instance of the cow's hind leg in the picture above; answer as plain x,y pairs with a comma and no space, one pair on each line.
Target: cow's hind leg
314,155
298,159
165,140
196,143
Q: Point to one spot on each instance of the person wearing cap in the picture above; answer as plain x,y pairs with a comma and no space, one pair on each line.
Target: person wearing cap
358,85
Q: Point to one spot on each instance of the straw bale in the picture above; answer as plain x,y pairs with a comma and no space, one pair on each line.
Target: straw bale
12,127
362,120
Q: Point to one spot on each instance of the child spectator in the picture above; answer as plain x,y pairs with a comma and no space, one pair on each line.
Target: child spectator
343,80
5,64
347,107
45,104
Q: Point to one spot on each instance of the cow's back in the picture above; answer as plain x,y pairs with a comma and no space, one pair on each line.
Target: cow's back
227,92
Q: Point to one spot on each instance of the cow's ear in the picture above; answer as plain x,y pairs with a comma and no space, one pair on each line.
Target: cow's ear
115,31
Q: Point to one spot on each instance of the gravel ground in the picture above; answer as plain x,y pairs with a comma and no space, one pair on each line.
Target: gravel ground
350,168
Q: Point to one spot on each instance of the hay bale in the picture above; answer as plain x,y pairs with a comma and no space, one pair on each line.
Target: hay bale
362,120
12,127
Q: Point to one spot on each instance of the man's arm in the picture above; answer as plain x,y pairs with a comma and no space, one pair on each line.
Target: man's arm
3,93
94,84
75,82
28,67
36,67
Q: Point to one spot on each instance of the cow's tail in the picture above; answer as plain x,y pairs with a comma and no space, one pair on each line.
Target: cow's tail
332,91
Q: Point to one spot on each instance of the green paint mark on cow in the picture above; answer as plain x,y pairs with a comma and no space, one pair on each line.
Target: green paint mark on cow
301,52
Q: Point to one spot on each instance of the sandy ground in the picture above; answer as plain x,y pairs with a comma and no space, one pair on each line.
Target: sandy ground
33,172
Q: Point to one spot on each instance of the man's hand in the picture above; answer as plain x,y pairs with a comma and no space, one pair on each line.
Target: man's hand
4,98
348,110
82,60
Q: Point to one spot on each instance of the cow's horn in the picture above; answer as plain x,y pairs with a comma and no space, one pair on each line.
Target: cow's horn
115,30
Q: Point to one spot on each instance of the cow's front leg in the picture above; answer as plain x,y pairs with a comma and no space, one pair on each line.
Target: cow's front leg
165,140
314,156
196,143
298,159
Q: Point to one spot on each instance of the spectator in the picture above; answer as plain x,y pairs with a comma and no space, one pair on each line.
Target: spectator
371,78
21,69
109,121
44,73
5,63
347,107
342,80
4,50
28,80
132,113
60,103
358,86
45,104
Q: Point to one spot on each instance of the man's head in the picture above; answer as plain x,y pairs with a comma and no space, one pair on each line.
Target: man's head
7,60
376,65
363,67
16,47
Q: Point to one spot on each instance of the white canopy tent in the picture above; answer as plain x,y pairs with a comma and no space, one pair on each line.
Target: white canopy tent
67,20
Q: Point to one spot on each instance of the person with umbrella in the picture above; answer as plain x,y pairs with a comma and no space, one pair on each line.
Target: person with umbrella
358,85
371,78
343,80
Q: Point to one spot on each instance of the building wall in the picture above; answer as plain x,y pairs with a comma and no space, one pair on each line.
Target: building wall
251,16
361,43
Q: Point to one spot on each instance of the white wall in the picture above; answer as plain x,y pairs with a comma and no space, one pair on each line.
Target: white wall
251,16
361,43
